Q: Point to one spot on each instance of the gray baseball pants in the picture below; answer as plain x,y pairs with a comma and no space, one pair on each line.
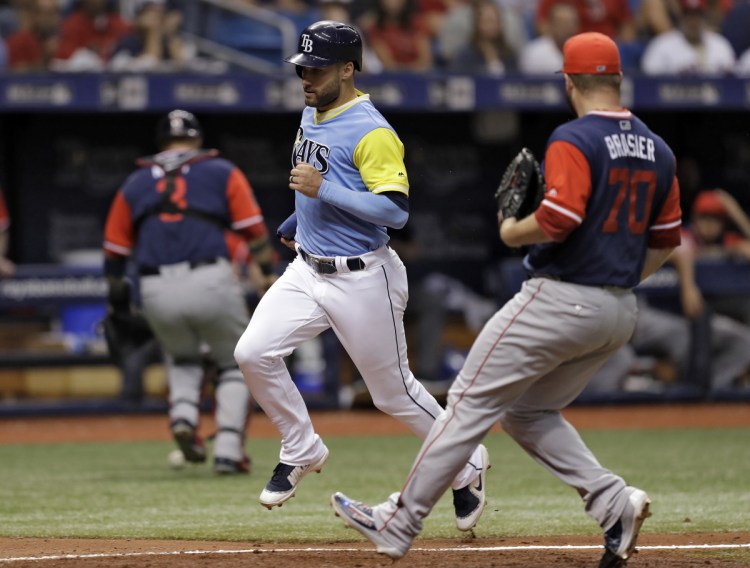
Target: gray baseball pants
530,361
190,309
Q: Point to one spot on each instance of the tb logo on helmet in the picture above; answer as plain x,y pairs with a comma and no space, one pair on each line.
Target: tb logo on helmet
327,42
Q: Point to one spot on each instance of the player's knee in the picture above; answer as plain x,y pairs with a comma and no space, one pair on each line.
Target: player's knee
389,405
246,355
251,355
513,421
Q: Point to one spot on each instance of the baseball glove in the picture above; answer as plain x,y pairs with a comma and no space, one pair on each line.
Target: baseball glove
125,332
521,188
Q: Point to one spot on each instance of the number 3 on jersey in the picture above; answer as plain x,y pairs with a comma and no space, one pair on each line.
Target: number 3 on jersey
176,197
627,183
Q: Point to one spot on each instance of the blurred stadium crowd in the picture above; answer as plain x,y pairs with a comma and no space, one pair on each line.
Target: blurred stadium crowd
495,37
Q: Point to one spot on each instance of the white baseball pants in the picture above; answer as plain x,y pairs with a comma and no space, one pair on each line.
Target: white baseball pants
365,309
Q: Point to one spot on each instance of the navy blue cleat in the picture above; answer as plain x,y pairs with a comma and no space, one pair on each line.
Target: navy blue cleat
359,517
283,483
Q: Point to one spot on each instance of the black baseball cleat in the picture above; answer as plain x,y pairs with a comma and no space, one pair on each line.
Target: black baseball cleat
620,540
469,501
284,480
189,442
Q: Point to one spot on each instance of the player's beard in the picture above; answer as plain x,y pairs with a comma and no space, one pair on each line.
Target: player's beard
326,96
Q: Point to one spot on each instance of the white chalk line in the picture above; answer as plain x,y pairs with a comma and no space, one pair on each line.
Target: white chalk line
366,550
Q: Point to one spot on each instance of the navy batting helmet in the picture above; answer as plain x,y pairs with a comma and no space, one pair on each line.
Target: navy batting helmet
326,42
178,124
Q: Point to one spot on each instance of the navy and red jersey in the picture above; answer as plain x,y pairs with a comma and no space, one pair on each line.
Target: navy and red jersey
213,187
611,194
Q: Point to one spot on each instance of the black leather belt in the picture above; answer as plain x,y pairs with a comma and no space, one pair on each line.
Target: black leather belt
323,265
153,271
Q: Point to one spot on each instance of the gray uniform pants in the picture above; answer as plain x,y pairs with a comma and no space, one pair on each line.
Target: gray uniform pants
531,360
187,310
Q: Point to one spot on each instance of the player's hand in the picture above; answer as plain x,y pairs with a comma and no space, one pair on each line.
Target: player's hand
291,243
505,225
305,179
259,282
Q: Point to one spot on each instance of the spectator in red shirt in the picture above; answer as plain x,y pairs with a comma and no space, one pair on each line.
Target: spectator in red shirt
433,12
610,17
32,48
92,29
719,228
399,37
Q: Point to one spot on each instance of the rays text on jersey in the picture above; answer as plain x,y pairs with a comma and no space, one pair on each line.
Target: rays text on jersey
313,153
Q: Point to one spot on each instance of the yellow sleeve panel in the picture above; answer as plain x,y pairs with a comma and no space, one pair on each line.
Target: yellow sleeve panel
379,156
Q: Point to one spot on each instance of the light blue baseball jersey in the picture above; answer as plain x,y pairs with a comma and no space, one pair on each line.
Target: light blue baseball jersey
354,147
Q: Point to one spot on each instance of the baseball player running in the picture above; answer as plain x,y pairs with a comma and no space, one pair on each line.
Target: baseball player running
171,215
610,217
350,181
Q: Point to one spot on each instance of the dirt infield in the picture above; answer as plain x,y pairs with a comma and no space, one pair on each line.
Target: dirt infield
572,552
662,551
359,423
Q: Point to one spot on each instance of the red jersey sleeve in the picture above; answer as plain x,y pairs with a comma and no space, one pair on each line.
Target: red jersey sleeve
237,246
119,233
665,232
568,178
4,217
244,210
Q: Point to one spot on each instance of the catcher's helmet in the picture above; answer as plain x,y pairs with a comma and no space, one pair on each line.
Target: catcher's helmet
326,42
178,124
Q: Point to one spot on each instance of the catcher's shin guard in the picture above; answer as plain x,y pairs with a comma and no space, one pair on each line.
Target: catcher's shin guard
232,413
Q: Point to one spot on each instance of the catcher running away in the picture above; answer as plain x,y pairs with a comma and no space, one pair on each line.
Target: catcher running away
630,146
